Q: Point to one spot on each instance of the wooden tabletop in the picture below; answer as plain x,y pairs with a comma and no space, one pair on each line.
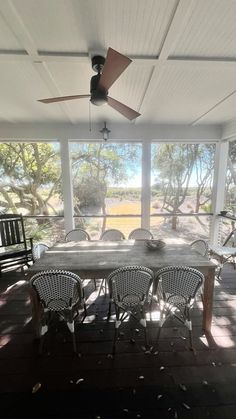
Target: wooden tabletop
94,259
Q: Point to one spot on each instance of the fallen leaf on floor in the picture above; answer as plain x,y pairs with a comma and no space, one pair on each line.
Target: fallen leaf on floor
156,353
205,383
183,387
36,387
141,377
126,410
143,348
159,396
136,330
80,380
162,368
138,416
186,406
132,340
213,364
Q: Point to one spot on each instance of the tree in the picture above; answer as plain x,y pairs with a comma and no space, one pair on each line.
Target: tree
204,174
175,165
95,166
30,175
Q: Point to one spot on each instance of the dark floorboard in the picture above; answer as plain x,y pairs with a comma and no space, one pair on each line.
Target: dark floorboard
169,382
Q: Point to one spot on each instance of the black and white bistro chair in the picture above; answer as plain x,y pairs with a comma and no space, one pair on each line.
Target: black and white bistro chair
112,234
201,247
38,250
129,292
109,235
176,288
59,293
77,234
140,234
225,252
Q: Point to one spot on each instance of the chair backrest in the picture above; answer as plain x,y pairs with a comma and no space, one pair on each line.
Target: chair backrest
57,290
179,280
112,234
130,283
140,234
12,230
200,246
78,234
38,250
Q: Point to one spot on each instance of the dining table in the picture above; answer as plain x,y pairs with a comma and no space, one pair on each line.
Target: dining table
95,259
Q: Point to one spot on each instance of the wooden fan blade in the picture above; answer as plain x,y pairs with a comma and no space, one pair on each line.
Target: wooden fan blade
123,109
62,98
114,66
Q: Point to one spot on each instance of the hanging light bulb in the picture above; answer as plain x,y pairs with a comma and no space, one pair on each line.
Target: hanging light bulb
105,132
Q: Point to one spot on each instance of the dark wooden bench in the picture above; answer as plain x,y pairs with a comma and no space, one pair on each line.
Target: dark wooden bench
15,248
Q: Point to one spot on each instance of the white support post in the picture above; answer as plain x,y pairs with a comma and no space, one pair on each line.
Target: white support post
146,184
218,193
67,185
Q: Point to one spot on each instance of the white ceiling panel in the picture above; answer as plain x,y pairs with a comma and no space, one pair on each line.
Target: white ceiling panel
210,31
133,27
20,88
8,40
221,114
184,94
52,24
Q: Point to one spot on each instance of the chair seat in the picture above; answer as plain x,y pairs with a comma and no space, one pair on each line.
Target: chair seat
223,250
15,253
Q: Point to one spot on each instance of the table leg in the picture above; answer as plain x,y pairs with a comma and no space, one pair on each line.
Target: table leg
35,313
208,294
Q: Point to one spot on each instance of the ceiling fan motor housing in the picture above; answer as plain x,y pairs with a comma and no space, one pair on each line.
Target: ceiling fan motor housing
98,96
98,63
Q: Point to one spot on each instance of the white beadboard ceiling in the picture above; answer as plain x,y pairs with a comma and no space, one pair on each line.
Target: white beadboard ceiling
183,52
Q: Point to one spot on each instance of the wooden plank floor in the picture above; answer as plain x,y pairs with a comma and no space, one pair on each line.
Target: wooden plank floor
176,382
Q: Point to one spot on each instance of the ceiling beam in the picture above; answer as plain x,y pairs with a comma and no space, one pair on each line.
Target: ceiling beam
120,132
70,57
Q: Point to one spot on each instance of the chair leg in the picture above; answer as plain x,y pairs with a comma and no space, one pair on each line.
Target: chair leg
71,326
43,332
109,311
117,325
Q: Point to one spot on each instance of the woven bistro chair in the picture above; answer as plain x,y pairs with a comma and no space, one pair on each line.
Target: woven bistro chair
112,234
224,253
140,234
78,234
59,293
38,250
176,288
129,291
109,235
200,246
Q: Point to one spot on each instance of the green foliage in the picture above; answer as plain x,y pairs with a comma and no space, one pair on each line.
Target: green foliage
25,169
96,165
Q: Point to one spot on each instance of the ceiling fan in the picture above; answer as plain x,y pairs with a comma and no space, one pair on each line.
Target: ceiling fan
108,71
